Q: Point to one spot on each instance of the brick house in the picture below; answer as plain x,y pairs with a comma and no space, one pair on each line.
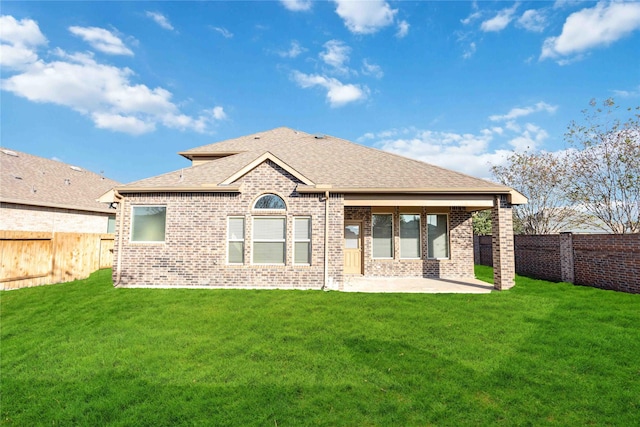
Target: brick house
38,194
287,209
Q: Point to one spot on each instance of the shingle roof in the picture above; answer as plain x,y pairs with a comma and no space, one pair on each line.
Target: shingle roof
32,180
325,160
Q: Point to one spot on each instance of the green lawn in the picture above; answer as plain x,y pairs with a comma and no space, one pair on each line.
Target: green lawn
85,353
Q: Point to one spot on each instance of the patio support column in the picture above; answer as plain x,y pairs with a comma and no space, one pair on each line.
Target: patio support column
504,266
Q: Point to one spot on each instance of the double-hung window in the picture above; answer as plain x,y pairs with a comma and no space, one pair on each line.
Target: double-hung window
382,234
410,236
148,223
235,239
269,240
437,236
302,240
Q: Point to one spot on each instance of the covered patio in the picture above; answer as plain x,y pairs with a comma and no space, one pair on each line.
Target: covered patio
417,285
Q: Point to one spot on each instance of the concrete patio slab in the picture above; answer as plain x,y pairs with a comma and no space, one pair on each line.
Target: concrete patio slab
416,285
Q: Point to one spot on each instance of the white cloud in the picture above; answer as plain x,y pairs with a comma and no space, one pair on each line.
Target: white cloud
515,113
24,32
466,153
336,54
297,5
470,51
469,19
473,16
103,40
560,4
588,28
338,93
628,93
160,19
533,20
470,153
374,70
199,124
223,31
294,51
19,41
403,29
119,123
530,139
500,21
365,17
218,113
104,93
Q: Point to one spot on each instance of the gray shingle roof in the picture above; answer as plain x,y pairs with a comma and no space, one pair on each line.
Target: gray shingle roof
325,160
32,180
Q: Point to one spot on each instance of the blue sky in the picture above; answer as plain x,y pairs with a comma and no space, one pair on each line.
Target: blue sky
121,87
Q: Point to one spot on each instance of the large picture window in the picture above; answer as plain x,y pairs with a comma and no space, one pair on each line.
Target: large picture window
437,236
302,240
382,233
148,223
269,240
410,236
235,238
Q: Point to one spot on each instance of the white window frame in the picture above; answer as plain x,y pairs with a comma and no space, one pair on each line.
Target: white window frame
253,240
419,234
448,235
293,251
147,242
392,235
230,240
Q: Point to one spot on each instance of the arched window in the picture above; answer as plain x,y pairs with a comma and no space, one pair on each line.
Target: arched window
270,202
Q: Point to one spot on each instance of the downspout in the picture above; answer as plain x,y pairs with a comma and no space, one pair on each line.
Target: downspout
120,200
326,240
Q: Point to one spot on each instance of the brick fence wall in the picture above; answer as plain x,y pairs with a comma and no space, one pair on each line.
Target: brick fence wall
606,261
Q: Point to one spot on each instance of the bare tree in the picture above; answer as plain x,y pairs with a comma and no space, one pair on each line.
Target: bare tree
544,179
605,166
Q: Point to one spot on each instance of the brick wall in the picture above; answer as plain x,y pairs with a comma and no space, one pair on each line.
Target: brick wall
195,247
482,253
538,256
460,264
36,218
502,244
606,261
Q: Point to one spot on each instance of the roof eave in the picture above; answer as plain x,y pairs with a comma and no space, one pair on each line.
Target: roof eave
515,197
190,155
55,205
200,189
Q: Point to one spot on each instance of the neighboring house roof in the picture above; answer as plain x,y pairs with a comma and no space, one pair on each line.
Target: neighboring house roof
320,162
31,180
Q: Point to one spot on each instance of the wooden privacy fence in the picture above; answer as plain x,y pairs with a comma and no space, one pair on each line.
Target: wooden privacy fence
29,258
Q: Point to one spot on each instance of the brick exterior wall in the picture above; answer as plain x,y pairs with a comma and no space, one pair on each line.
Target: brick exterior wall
504,270
460,264
195,247
17,217
607,261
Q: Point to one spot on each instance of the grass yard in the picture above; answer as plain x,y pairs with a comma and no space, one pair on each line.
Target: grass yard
85,353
